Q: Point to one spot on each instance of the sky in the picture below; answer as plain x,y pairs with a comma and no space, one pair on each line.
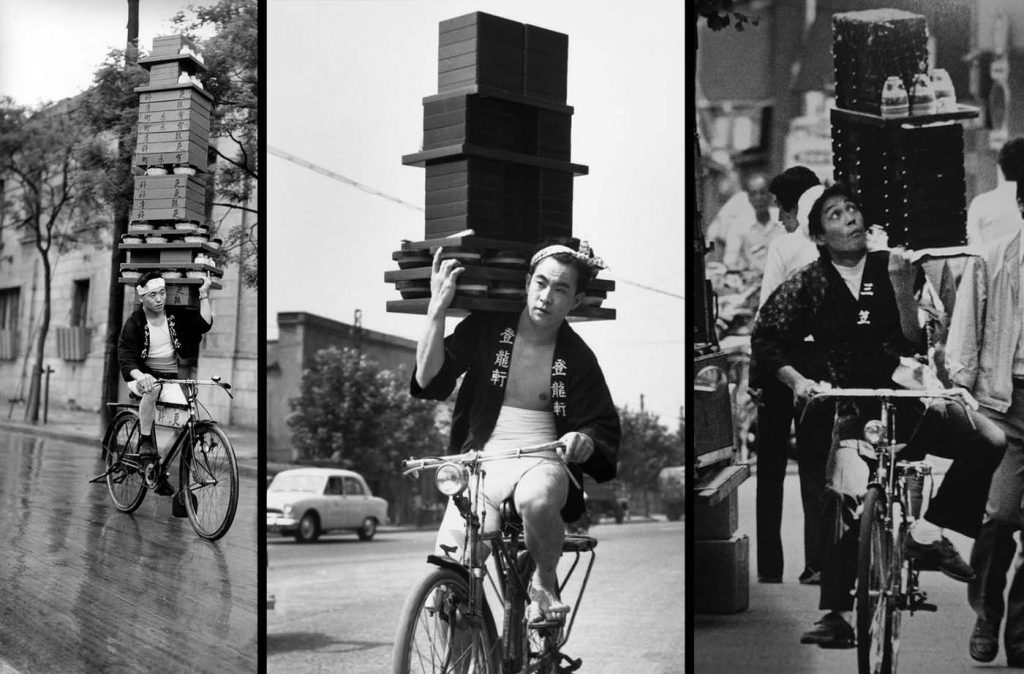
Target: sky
345,82
49,49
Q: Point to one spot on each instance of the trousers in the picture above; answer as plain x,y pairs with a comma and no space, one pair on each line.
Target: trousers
995,547
774,420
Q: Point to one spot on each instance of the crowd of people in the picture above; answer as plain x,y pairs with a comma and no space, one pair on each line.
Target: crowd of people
839,307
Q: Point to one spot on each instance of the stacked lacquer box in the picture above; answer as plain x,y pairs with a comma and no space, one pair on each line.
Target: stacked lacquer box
496,149
906,169
168,231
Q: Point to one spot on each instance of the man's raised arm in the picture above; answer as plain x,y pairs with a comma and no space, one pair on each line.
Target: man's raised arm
430,348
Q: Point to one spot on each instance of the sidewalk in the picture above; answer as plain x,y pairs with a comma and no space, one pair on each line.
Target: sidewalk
766,637
84,426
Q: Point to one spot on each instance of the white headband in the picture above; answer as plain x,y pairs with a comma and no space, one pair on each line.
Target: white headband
153,284
584,255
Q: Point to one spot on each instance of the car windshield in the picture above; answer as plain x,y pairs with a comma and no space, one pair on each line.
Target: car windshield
284,482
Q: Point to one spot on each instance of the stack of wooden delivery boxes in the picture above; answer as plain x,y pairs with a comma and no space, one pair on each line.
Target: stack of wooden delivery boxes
168,230
496,149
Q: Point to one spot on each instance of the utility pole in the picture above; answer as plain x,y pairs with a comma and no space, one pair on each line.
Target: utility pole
641,402
115,302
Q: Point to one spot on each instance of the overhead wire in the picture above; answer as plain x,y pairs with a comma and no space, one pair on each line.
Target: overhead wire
334,175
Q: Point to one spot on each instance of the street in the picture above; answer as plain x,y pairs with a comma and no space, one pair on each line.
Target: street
89,589
769,631
338,600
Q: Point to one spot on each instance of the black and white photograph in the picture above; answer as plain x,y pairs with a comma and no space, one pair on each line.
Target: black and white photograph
128,351
858,356
475,296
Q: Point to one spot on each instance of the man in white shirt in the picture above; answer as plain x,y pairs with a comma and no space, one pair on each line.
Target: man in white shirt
794,249
786,253
994,214
746,243
738,215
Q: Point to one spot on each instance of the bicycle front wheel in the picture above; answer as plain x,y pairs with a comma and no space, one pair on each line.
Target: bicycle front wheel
210,484
438,633
124,476
877,584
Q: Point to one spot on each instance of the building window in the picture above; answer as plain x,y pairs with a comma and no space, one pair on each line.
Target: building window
73,341
9,301
80,304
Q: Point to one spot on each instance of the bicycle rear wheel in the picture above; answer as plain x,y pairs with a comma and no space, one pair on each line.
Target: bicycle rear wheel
877,584
210,484
436,633
124,476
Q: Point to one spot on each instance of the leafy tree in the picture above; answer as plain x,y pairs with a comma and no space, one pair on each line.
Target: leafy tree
41,154
232,78
719,14
360,417
646,447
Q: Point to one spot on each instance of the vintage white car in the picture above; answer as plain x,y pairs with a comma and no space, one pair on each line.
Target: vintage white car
306,502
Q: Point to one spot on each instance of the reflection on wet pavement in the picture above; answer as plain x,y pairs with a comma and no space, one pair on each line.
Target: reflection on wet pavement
87,588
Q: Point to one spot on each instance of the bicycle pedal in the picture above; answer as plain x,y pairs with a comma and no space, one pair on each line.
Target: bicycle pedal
545,624
572,664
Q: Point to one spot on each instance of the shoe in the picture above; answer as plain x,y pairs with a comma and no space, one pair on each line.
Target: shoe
810,577
769,579
163,487
147,450
178,505
830,632
984,641
943,555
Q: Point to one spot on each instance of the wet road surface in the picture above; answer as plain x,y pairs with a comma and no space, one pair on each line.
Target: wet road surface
85,588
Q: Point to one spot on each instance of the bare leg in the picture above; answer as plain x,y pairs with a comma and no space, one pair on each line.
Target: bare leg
539,498
147,411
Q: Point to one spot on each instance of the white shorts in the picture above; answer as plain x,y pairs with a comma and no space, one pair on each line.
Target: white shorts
516,427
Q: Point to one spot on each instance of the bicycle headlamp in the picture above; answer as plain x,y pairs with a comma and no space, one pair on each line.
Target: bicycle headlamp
451,479
874,432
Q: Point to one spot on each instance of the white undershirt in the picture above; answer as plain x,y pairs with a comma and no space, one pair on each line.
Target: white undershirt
161,352
518,427
852,276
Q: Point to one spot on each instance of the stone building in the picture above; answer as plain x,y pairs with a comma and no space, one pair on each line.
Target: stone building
300,336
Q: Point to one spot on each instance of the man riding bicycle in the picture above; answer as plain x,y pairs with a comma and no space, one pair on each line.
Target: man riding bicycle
530,379
159,342
860,308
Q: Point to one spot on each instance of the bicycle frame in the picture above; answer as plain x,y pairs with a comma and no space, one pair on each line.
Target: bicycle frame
881,599
509,582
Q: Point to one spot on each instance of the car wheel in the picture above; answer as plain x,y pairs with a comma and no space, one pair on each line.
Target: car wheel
368,529
309,528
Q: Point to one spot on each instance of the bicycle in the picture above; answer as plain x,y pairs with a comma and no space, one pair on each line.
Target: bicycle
207,471
447,624
887,581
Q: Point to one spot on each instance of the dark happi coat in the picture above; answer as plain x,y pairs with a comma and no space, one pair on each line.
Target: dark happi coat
860,340
481,347
186,327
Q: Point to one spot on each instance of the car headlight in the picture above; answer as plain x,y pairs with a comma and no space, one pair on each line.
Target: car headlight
874,432
287,511
451,479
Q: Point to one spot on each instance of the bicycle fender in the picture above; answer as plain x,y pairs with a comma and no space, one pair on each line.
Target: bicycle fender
446,563
125,408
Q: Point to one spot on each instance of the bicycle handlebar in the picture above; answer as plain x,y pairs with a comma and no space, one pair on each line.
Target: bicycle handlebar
413,465
958,395
198,382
